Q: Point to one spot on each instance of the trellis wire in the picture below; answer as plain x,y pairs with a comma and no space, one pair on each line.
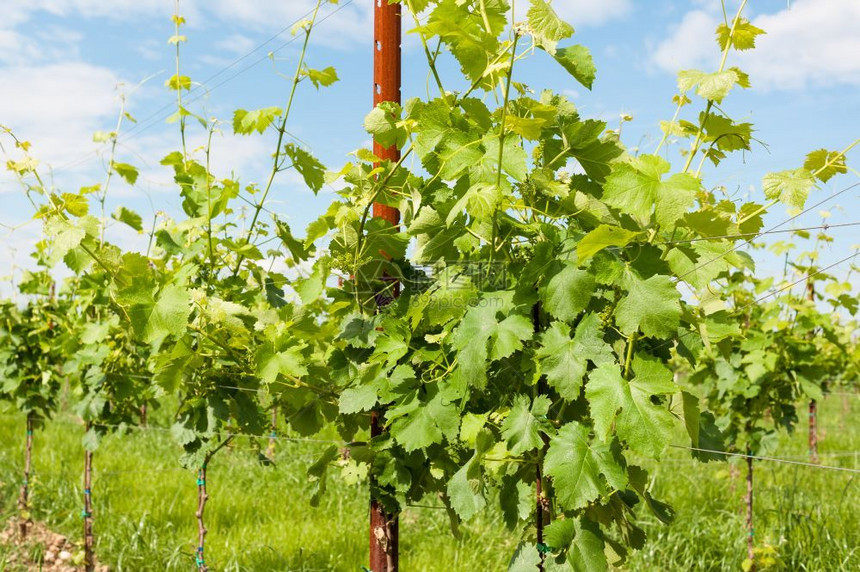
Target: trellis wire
770,459
831,454
766,296
773,228
824,227
167,430
158,116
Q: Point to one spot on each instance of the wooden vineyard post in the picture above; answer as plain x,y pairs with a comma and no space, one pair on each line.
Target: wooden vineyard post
813,431
87,514
24,497
273,435
748,500
202,497
384,527
749,503
813,404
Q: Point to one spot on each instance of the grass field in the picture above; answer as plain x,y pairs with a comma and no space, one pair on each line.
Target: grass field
260,519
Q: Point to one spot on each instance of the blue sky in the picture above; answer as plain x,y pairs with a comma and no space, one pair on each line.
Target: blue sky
61,62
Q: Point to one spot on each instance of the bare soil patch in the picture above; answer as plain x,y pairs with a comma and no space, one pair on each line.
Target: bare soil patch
42,549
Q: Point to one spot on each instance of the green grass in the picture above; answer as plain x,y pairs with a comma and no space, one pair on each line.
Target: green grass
260,519
807,515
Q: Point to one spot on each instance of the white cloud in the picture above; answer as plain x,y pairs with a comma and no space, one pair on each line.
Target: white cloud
691,44
53,99
341,26
248,158
47,44
14,47
58,106
344,24
581,13
17,11
236,44
15,253
813,43
592,12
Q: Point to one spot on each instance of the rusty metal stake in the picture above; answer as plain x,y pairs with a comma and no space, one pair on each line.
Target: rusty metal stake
384,527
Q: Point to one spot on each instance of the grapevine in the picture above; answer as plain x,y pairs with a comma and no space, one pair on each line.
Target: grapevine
544,316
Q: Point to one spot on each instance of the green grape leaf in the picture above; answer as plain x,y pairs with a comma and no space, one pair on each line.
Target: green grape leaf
710,86
181,434
514,159
418,423
64,237
586,553
459,152
509,336
700,263
607,391
725,133
644,425
129,173
466,488
522,426
481,335
169,314
383,122
595,155
481,201
579,63
318,472
516,500
246,122
128,217
743,37
526,558
825,165
172,367
91,439
308,166
559,534
568,292
602,237
564,361
178,82
652,306
324,77
417,6
296,248
272,363
156,317
637,188
432,126
471,36
526,127
576,465
75,205
546,27
789,187
357,399
95,332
